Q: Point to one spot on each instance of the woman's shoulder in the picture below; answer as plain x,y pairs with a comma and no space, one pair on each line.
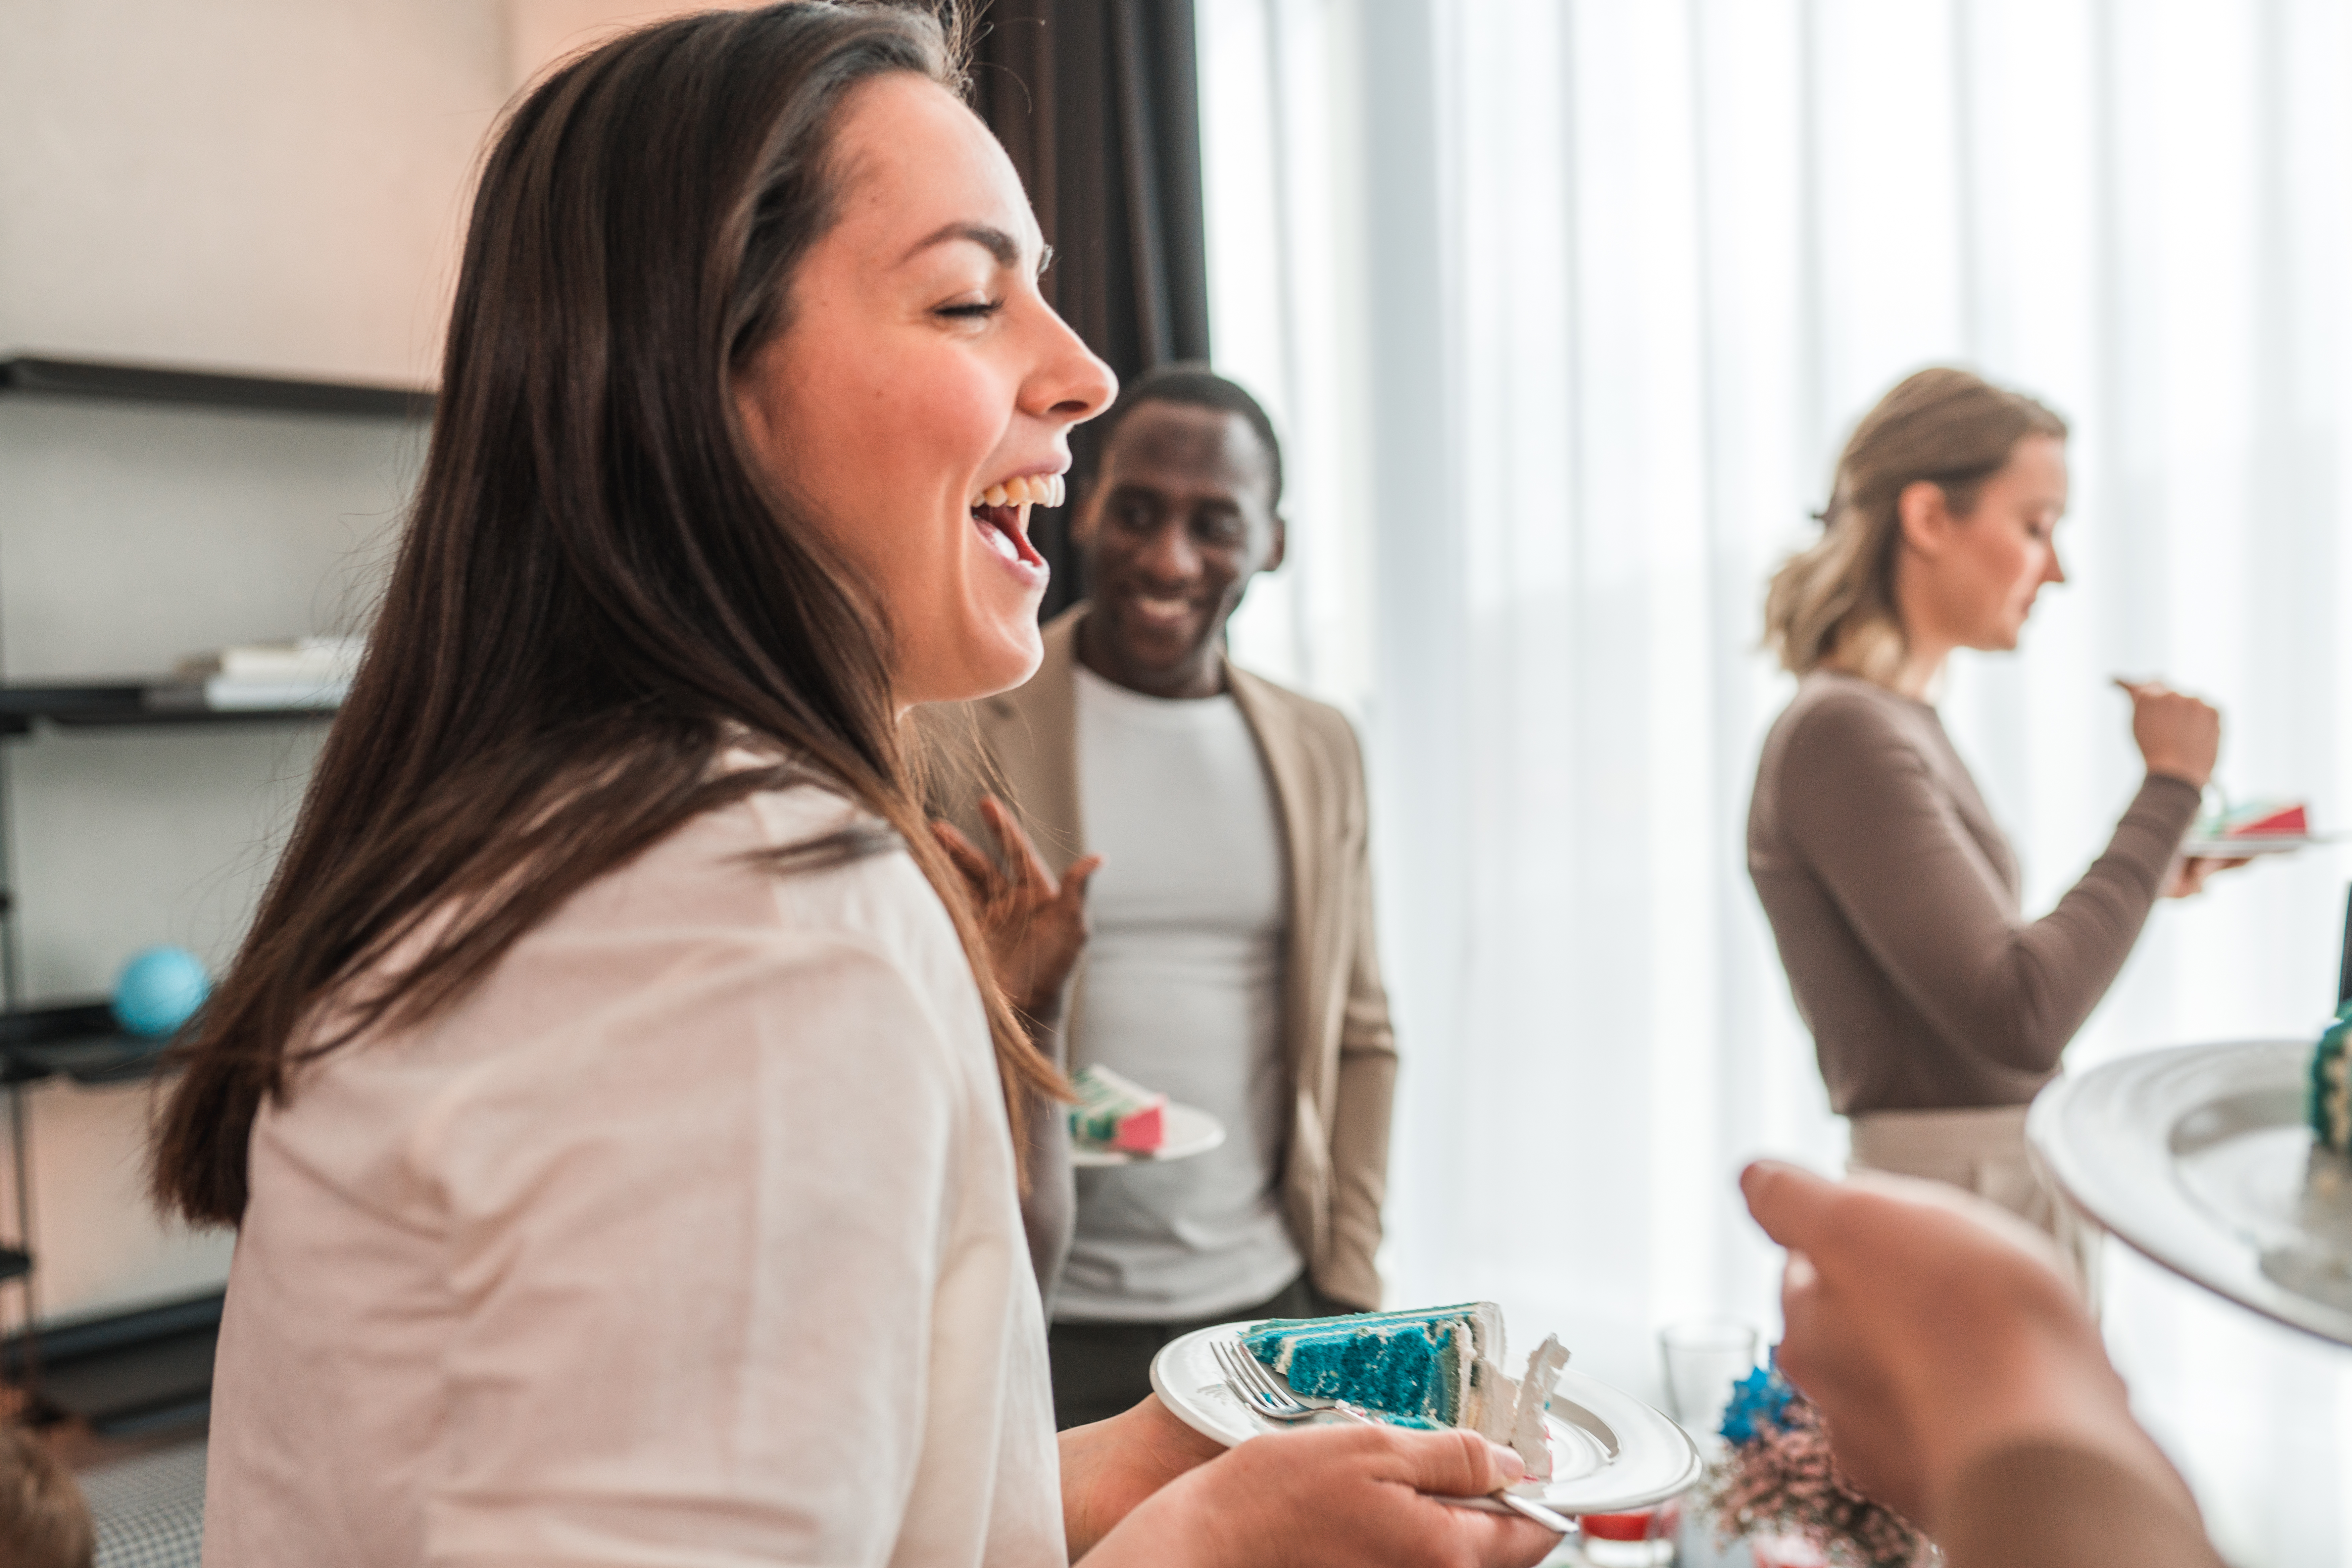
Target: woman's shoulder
1841,731
1833,709
671,954
798,860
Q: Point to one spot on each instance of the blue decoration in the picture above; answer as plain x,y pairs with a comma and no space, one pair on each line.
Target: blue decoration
160,990
1758,1401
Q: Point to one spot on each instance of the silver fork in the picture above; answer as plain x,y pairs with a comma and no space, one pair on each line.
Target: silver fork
1254,1386
1253,1382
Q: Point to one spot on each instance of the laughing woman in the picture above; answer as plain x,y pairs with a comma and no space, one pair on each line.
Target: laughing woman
611,1095
1937,1008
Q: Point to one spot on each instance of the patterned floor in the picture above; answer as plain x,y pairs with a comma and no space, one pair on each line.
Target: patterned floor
150,1511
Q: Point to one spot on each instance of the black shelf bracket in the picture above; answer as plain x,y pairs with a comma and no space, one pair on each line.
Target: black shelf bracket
211,389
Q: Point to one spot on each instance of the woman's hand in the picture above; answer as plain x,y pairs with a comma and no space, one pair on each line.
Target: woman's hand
1109,1466
2189,875
1932,1329
2177,735
1351,1495
1036,925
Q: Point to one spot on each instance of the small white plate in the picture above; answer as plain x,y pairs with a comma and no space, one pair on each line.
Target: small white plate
1655,1459
2199,1157
1191,1131
2247,847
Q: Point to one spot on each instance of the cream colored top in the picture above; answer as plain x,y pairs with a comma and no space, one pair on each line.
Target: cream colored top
690,1237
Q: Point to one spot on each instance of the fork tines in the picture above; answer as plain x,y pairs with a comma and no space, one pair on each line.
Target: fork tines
1248,1378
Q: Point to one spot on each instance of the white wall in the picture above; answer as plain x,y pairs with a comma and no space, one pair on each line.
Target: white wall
273,186
270,186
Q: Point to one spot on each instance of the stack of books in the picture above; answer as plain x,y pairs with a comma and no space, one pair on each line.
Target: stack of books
313,672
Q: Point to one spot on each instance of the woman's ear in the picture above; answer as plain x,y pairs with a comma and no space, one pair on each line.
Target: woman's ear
1926,516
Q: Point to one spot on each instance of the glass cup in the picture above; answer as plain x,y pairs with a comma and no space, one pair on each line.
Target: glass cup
1704,1357
1641,1540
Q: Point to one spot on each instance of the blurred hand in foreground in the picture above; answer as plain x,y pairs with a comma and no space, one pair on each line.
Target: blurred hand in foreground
2177,735
1932,1329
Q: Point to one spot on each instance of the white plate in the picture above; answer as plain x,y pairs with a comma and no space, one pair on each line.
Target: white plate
1191,1131
2199,1157
2244,848
1655,1458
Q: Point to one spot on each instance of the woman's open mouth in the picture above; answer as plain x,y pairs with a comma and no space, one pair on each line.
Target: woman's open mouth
1001,512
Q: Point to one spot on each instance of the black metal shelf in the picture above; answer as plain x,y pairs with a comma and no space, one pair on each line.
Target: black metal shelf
79,1040
120,704
125,1373
44,377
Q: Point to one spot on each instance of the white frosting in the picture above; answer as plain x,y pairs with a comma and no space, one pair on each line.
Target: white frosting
1544,1363
1490,1398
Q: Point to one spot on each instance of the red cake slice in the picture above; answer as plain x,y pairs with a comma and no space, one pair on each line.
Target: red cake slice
2269,822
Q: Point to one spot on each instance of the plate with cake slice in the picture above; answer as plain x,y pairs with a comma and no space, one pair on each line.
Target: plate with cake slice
2230,1164
1588,1447
2266,827
1117,1121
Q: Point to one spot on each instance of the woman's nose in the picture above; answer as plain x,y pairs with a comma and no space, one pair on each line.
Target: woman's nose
1070,383
2055,571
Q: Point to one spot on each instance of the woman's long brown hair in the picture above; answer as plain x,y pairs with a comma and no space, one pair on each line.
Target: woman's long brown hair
596,587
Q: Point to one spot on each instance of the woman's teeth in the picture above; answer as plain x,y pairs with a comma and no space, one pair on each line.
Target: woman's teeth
1030,490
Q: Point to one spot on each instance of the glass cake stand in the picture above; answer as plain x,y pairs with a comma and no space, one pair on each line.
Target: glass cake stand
2200,1158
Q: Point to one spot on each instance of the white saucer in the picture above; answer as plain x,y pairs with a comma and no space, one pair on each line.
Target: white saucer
2199,1157
2247,847
1655,1459
1191,1131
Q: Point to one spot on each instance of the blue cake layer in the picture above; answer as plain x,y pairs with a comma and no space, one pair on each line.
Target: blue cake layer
1413,1367
2329,1099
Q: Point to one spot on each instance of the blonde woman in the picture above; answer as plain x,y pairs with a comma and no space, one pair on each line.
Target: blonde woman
1937,1008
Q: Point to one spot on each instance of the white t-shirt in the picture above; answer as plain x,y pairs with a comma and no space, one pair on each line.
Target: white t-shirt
1182,993
690,1237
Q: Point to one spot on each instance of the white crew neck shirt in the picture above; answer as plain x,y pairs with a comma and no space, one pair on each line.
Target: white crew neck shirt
1182,993
690,1236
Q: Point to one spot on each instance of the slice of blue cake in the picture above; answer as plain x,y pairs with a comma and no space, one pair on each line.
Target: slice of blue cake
1439,1367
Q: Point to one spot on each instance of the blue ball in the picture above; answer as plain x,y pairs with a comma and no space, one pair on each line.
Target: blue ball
160,990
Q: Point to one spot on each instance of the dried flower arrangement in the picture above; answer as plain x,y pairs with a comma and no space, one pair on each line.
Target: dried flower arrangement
1778,1479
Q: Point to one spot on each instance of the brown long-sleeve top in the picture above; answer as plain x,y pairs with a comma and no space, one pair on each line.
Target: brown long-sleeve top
1893,897
2057,1504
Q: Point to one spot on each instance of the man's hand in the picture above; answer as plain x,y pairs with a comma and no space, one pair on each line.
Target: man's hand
1036,926
1932,1329
1354,1496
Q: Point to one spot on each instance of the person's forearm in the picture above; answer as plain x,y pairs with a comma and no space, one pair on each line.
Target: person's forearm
2062,964
1109,1468
2057,1503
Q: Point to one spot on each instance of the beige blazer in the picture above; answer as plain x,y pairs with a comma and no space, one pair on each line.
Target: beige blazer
1340,1050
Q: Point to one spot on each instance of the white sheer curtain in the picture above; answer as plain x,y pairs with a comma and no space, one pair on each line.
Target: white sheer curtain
1564,309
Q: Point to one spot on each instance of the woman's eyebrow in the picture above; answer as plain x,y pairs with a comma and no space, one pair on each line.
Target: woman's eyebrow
993,240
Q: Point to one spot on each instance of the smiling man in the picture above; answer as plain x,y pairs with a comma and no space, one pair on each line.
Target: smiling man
1231,964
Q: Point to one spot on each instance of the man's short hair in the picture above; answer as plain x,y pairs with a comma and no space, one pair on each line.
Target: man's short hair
44,1523
1192,383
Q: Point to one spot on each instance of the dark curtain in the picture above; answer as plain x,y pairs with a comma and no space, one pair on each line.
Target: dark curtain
1098,102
